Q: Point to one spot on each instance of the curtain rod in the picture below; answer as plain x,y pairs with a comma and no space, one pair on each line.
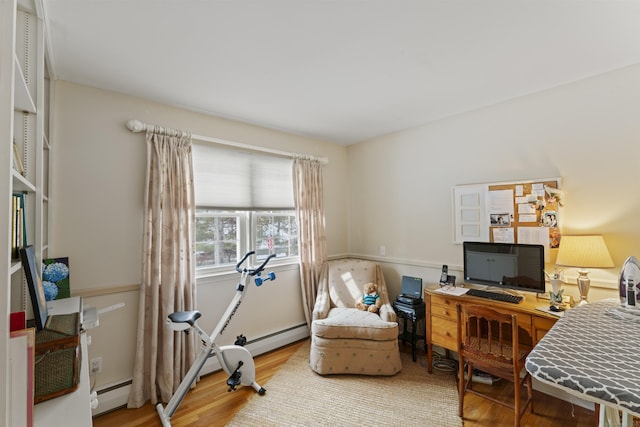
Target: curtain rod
138,126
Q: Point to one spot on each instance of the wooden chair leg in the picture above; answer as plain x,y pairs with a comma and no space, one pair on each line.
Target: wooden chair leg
517,389
469,382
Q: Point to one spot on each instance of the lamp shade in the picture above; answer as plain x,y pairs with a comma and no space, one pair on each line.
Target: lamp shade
584,251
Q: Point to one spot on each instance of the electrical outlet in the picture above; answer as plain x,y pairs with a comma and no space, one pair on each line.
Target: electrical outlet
95,365
383,250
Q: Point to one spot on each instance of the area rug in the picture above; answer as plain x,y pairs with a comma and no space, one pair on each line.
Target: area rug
297,396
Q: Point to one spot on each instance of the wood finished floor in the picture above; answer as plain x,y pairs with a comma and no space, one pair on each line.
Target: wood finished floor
210,405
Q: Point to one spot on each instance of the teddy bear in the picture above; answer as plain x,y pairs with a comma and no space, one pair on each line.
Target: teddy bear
370,299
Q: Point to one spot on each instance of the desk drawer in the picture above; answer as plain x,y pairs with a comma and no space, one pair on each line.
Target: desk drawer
444,311
443,301
542,326
444,333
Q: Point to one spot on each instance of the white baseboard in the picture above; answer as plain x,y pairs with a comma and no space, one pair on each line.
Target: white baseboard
115,396
263,345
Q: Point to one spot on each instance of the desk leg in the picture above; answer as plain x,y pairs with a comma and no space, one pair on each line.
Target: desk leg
413,339
429,347
404,330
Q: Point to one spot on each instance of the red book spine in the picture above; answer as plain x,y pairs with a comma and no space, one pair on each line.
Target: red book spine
17,321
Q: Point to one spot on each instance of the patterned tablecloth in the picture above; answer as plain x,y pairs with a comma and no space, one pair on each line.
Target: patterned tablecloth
593,352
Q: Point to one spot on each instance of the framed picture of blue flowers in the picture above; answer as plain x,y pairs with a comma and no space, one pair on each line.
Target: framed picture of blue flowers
55,278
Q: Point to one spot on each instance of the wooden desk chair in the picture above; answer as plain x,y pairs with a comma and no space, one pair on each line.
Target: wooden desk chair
485,343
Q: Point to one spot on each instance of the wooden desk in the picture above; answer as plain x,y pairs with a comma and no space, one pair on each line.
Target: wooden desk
442,326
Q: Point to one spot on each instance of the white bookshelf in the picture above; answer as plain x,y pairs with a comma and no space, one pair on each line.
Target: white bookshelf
24,119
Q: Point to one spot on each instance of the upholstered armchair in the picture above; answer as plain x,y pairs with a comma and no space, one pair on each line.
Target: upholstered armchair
345,340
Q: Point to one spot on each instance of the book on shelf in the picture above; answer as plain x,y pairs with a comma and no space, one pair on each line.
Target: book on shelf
17,159
18,225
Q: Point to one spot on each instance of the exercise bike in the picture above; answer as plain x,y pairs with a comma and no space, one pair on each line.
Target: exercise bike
234,359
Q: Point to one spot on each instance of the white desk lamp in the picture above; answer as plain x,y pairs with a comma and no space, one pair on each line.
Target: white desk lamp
584,252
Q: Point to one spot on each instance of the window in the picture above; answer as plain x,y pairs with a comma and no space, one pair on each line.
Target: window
244,202
275,233
223,237
217,237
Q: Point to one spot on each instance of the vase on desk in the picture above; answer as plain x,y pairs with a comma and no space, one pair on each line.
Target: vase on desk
555,295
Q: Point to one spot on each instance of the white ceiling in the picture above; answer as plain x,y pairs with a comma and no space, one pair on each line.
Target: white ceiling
339,70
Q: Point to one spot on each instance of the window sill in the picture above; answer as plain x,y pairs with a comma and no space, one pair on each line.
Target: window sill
224,272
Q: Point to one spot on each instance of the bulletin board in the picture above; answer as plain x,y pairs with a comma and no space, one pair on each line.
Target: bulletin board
509,212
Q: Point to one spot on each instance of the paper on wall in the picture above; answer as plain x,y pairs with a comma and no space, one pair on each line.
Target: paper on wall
527,218
535,236
500,201
503,235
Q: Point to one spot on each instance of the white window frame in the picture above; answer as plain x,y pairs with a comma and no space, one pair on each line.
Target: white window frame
281,212
247,223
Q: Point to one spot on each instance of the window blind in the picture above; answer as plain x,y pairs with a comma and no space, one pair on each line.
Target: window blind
240,180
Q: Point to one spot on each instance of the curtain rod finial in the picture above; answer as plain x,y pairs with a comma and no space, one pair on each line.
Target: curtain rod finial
136,126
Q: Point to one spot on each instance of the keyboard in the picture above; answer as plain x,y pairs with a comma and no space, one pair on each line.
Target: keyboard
515,299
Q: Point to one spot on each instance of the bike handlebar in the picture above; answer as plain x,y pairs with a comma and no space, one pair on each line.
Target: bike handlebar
253,272
247,255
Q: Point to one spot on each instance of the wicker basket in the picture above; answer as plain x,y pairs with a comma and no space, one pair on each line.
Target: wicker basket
57,361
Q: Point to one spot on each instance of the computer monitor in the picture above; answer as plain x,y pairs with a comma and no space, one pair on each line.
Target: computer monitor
505,265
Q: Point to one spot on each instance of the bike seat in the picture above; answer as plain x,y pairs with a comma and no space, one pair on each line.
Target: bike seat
189,317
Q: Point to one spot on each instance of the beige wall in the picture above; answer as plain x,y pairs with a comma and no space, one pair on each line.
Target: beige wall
393,191
587,133
97,194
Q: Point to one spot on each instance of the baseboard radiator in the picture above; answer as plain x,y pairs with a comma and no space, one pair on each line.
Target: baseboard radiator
115,396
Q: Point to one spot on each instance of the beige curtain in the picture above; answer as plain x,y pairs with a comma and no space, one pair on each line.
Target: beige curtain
168,278
309,203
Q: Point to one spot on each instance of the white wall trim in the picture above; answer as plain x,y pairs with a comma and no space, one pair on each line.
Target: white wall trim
411,262
570,280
